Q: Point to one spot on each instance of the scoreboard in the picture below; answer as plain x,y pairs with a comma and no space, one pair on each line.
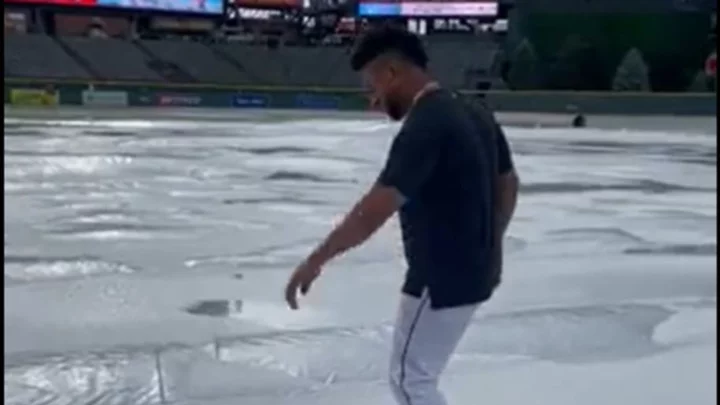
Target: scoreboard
428,8
207,7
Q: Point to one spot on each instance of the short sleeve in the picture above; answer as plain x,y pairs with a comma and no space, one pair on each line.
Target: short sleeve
504,155
412,158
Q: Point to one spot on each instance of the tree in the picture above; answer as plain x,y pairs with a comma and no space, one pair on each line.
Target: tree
700,83
523,72
632,74
576,66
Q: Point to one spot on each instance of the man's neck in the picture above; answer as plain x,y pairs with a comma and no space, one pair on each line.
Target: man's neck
428,86
418,84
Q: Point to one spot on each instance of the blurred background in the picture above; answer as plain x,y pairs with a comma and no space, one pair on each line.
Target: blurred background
592,45
146,248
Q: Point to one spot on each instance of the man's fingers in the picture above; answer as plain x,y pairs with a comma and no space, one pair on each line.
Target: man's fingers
306,287
291,294
292,301
300,281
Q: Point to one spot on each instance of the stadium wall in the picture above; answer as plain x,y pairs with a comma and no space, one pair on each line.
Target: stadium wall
44,93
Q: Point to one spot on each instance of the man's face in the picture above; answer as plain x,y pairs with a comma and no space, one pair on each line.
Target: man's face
382,79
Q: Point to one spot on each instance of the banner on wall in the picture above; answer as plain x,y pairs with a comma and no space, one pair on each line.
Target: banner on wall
317,101
179,100
181,24
97,98
33,97
250,101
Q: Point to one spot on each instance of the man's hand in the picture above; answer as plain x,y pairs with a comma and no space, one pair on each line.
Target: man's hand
302,278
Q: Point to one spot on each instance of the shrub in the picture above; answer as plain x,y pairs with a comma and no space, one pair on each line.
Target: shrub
632,74
700,83
523,72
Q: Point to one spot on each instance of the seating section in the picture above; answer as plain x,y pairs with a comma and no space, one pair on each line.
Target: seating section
457,62
114,59
197,59
39,56
260,65
327,67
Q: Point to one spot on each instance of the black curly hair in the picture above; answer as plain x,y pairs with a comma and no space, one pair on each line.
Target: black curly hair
380,40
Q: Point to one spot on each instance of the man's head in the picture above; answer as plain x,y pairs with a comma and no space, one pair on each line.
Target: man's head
392,62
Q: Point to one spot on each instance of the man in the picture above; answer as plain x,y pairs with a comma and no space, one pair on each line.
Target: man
450,175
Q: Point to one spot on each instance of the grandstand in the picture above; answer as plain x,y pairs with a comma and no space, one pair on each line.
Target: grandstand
308,50
304,43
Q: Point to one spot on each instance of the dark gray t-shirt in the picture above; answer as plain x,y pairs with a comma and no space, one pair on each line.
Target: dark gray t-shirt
445,161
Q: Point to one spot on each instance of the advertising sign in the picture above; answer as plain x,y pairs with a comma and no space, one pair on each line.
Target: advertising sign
711,65
16,21
181,24
262,14
97,98
410,8
317,101
271,4
178,100
33,97
214,7
250,101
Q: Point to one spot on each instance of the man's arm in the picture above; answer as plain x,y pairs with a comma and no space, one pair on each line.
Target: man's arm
410,163
508,183
506,192
363,220
366,217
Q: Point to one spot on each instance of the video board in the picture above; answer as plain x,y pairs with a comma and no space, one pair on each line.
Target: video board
173,6
268,4
427,8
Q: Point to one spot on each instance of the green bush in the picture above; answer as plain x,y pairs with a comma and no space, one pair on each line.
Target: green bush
576,66
632,74
700,83
671,44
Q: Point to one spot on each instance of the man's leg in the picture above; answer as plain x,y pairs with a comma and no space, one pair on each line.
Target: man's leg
423,341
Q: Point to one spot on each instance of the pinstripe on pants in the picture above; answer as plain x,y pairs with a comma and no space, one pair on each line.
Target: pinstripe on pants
423,341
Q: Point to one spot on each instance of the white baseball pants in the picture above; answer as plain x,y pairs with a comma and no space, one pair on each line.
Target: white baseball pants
423,341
